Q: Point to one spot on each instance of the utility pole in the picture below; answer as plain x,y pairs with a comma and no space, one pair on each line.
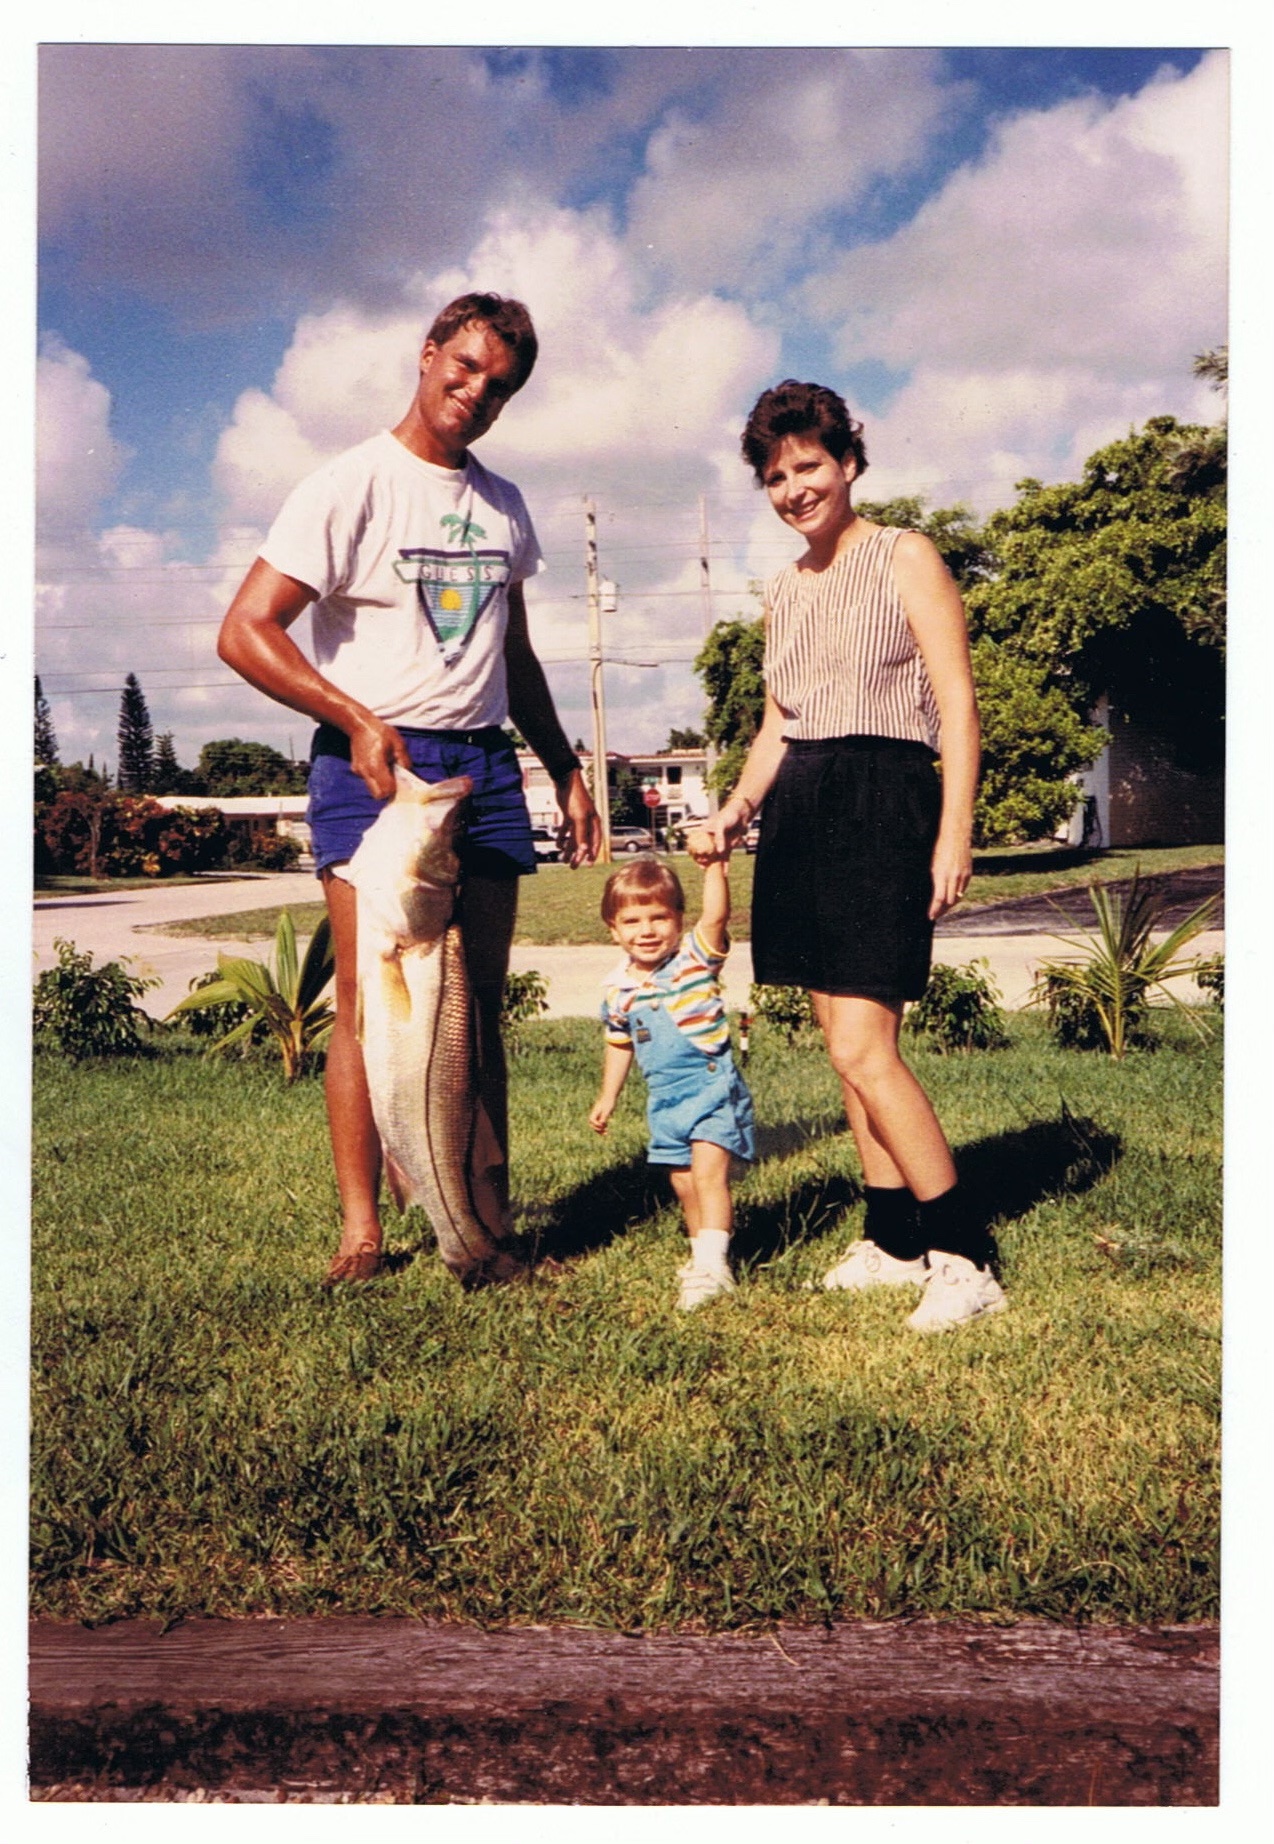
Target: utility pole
601,786
705,598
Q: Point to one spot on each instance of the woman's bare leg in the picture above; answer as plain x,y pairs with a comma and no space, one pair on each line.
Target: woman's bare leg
899,1139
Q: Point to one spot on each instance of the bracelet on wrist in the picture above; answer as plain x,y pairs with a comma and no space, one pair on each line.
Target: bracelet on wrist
749,806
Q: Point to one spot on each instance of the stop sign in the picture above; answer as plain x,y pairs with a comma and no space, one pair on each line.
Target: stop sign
651,796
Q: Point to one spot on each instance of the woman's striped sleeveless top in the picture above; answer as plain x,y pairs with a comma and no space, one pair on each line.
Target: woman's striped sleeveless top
840,657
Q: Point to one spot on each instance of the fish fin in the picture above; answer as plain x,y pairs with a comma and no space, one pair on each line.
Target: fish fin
399,1184
396,990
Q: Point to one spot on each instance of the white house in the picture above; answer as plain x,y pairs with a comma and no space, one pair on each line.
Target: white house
279,815
678,774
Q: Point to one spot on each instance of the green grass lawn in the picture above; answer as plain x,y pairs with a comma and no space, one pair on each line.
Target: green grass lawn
560,907
212,1434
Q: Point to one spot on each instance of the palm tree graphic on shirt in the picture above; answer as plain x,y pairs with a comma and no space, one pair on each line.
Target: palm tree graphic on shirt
451,601
459,530
454,589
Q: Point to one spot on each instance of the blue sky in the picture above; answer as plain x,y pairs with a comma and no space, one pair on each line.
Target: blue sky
1002,257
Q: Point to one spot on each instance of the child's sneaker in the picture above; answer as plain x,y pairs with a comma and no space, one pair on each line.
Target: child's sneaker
699,1285
865,1265
955,1293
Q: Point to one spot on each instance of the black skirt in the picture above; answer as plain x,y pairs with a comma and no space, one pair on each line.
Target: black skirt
844,869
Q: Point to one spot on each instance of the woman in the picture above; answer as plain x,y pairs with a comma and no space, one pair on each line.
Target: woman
862,844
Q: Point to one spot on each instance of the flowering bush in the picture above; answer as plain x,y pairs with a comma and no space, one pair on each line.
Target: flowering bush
108,834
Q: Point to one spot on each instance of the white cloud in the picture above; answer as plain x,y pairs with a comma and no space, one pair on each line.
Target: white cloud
78,460
1089,235
732,191
1051,296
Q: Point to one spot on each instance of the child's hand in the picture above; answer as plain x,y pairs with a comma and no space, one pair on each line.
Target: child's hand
599,1115
705,847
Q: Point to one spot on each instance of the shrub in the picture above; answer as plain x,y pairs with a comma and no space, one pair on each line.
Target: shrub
1210,977
525,997
221,1017
263,851
107,834
88,1010
959,1009
788,1008
1073,1017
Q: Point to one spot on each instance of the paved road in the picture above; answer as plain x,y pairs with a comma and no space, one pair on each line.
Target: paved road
1180,891
1012,937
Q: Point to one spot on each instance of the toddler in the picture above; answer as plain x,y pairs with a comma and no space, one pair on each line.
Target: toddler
664,1005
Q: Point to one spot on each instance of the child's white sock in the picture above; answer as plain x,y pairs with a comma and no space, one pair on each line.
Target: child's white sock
709,1250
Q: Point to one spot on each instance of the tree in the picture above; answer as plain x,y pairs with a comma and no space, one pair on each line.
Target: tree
1201,460
958,538
627,808
683,739
46,742
136,740
729,666
170,776
1093,573
230,766
1032,743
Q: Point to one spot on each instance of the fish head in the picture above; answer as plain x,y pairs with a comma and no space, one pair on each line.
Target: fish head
429,816
405,869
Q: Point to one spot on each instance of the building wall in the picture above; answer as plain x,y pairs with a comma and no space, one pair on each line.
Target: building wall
1153,799
1142,791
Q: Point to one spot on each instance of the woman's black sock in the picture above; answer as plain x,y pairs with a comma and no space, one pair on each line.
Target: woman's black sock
892,1222
949,1223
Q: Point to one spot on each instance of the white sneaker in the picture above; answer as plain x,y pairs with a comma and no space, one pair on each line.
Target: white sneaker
955,1293
865,1265
699,1285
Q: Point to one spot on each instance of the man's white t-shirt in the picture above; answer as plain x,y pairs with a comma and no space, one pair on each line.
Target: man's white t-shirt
411,565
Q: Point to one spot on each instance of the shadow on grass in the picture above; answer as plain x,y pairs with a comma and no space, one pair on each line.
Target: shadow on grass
1009,1174
1005,1176
596,1212
1050,858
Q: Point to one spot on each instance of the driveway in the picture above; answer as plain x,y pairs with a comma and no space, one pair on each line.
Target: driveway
1012,936
117,925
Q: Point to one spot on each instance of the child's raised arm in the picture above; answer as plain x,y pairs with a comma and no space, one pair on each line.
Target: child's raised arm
616,1064
714,923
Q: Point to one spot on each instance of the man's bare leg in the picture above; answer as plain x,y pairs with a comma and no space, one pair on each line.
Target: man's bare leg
488,913
351,1128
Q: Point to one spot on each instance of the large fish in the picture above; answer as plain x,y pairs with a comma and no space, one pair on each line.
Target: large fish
415,1024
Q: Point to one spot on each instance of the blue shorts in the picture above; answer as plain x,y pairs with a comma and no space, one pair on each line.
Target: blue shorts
708,1103
497,835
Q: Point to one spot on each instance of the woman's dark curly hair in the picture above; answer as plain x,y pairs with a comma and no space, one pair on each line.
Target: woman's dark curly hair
801,409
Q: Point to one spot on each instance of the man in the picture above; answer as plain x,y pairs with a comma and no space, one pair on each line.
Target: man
414,556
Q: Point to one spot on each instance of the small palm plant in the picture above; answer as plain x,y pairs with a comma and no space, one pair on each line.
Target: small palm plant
288,998
1108,989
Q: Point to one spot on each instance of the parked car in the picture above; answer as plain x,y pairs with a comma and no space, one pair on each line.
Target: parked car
629,839
547,850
